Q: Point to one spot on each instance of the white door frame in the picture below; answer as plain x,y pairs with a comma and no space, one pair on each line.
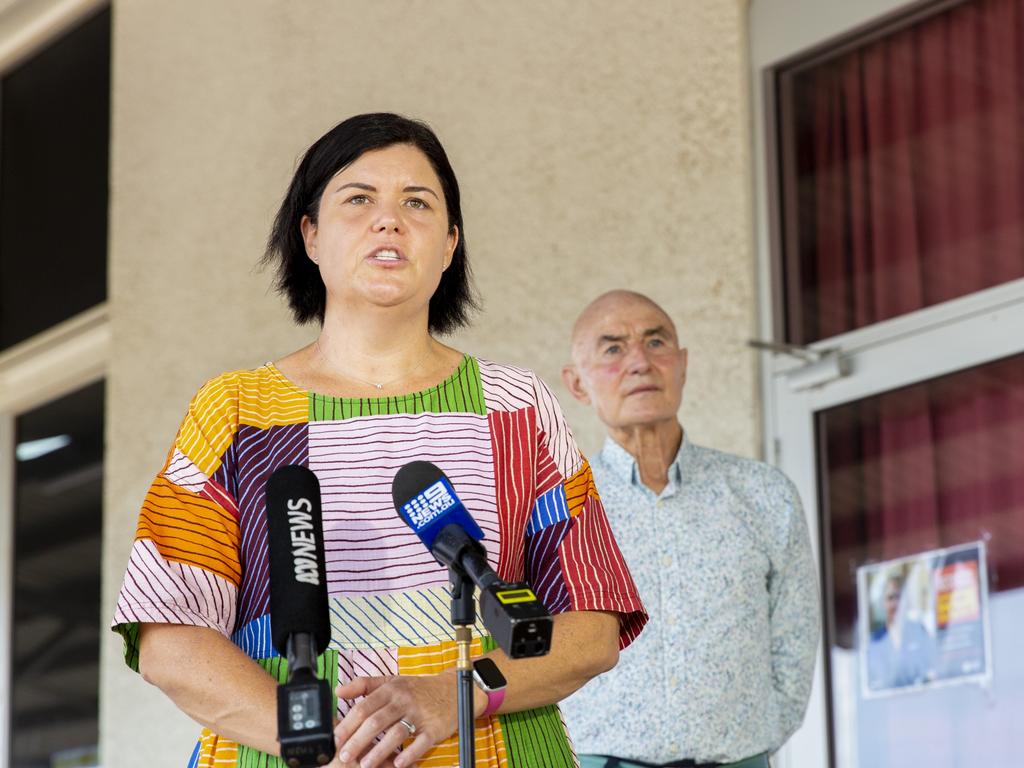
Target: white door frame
6,574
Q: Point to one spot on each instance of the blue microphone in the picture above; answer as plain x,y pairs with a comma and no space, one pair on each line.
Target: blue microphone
427,502
511,612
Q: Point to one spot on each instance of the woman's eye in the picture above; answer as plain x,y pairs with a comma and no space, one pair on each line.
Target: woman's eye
415,202
358,200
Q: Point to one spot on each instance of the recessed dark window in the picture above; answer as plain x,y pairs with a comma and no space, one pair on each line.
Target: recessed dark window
54,138
58,518
902,170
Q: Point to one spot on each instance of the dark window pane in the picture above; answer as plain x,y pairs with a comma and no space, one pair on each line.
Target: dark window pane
932,466
57,541
903,170
54,137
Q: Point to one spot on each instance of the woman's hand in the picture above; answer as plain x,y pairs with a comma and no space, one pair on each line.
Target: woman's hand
427,702
586,644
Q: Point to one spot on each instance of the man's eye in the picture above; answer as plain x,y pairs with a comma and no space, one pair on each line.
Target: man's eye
612,349
415,202
656,343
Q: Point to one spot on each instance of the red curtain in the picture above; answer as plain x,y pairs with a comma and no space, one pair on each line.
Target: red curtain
909,192
910,171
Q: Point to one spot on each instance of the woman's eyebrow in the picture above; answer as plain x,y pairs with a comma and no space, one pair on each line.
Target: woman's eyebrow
371,188
357,185
422,189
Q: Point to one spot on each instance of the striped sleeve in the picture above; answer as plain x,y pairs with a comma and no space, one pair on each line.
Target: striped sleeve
572,560
184,566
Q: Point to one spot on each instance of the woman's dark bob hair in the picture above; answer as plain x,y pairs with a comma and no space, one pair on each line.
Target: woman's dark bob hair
298,277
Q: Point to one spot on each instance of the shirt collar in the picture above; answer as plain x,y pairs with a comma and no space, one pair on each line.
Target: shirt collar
623,466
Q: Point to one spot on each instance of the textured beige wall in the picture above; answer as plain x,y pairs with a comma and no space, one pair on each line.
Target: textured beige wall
599,144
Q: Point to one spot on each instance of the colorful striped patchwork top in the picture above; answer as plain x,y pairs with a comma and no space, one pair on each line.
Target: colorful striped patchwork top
200,552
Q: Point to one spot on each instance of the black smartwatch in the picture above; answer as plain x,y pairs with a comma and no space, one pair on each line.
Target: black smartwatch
489,679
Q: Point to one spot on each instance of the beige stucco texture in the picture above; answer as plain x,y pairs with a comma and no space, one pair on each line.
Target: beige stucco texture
598,144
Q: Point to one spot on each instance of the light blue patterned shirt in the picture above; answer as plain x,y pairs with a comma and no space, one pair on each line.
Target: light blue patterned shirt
723,563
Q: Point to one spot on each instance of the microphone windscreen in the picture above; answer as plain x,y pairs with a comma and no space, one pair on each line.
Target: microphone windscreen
425,499
298,575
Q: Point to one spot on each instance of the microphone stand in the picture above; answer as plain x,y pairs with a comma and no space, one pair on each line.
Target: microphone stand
463,618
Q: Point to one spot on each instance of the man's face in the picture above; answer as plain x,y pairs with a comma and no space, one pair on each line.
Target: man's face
628,364
893,591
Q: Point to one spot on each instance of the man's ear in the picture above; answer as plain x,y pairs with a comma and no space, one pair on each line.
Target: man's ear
574,383
685,355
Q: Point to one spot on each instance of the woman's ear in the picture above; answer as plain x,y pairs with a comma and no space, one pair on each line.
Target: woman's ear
453,241
308,228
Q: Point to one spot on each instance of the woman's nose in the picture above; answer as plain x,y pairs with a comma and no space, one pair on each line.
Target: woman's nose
388,220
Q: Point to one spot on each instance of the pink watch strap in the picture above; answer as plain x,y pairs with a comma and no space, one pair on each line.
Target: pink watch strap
494,699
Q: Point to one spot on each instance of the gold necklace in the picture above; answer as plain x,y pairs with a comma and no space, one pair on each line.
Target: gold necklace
377,384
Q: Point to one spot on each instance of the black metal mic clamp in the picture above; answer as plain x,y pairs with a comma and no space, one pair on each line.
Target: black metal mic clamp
305,709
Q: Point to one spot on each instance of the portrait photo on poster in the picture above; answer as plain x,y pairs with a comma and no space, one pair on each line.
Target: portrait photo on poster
924,621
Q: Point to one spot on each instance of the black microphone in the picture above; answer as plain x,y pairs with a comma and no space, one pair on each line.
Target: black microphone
427,503
299,623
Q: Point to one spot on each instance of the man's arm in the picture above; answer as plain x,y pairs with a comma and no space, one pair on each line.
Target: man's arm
795,616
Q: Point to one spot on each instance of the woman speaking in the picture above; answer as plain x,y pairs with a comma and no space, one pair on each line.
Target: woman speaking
370,245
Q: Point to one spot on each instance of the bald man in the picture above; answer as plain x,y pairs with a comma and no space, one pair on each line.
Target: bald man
719,549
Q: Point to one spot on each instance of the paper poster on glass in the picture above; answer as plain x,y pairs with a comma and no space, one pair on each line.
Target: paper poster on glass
924,621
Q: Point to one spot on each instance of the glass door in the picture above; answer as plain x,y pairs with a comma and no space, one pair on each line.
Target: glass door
912,469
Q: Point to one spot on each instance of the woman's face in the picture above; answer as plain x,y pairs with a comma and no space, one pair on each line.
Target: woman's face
381,237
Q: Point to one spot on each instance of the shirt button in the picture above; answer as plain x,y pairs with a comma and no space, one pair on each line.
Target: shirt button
674,748
666,560
674,682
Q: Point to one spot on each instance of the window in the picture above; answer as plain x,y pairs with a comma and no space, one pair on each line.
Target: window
54,128
903,170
